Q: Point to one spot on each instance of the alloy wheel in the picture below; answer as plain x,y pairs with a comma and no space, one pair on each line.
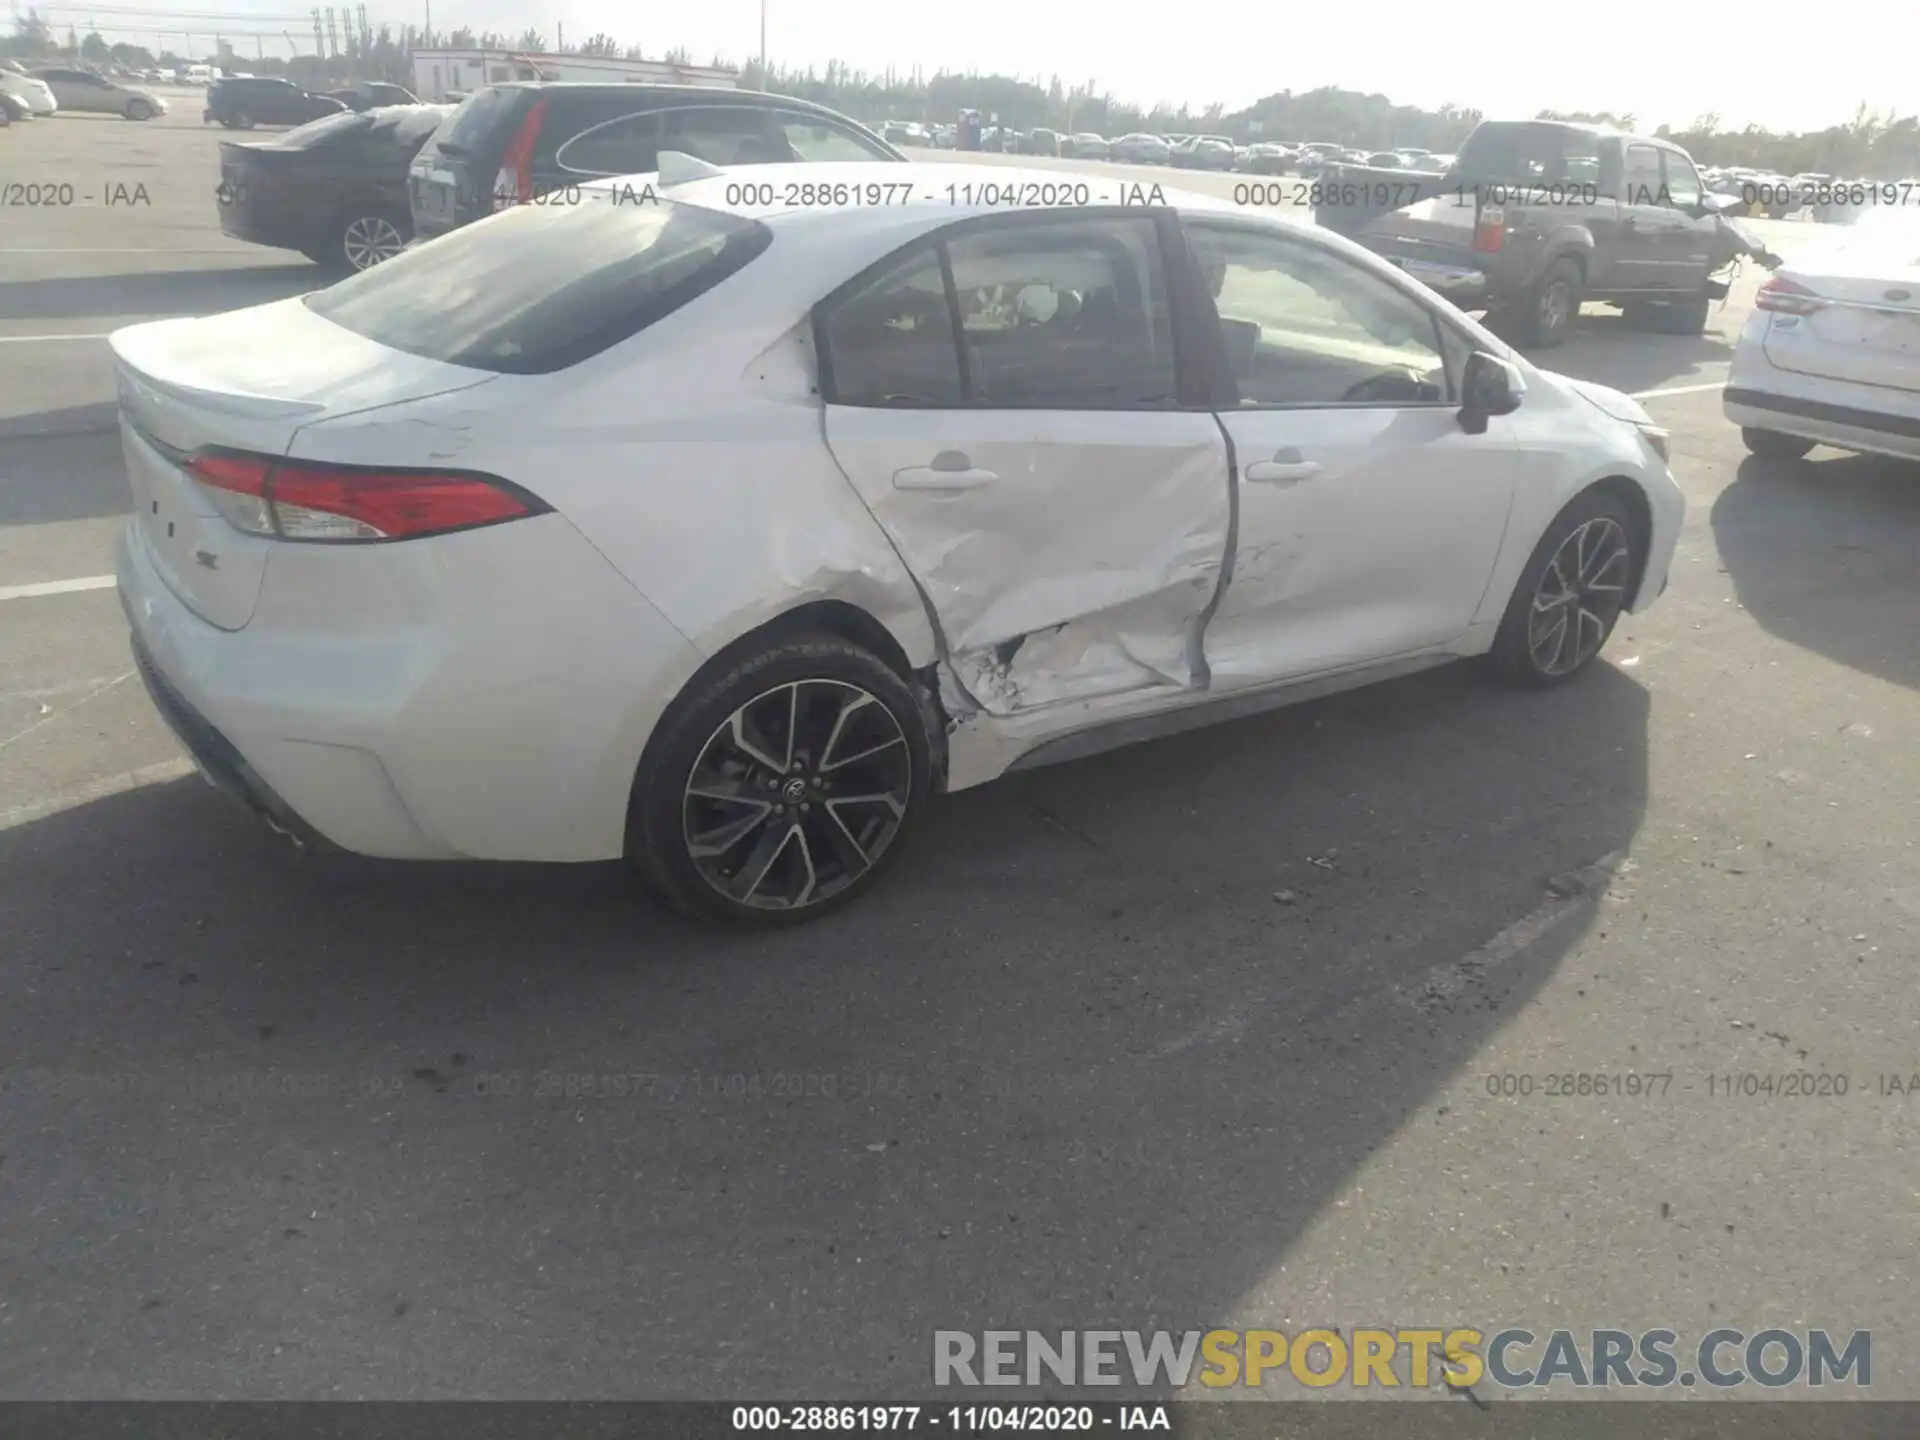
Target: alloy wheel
371,239
1553,308
1580,595
797,794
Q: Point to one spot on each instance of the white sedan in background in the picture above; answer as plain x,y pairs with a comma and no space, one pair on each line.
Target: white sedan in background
720,531
1831,353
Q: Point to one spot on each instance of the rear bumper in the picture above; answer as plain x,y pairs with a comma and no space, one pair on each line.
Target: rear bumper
1868,425
220,762
482,696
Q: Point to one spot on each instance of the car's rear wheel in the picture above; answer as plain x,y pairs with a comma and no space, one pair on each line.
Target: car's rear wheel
1772,445
363,239
1543,318
782,785
239,120
1570,594
139,110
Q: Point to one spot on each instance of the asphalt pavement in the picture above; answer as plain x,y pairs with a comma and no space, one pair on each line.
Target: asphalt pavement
1207,1032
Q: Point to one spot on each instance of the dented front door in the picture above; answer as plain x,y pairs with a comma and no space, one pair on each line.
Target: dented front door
1005,401
1064,554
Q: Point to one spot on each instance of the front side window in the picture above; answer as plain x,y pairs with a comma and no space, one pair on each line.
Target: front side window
1303,326
1683,181
1645,183
814,139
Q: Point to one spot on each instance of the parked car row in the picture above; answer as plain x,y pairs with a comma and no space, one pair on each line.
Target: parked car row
354,187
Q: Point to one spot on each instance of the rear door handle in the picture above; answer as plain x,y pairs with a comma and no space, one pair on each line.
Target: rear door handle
1281,472
950,470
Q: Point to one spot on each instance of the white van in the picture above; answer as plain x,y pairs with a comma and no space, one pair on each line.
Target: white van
202,74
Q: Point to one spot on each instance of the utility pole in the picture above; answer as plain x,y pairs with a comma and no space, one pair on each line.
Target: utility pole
427,34
333,36
763,44
559,38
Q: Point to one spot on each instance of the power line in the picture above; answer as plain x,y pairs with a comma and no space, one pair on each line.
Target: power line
209,15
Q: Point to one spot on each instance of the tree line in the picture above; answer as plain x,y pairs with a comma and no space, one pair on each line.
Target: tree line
1870,145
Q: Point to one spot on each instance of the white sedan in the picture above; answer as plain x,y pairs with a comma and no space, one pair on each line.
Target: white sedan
720,531
1831,353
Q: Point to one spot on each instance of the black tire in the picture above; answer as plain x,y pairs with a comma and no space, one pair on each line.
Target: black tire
6,116
355,233
1682,317
238,120
139,110
1526,656
1772,445
1543,318
829,670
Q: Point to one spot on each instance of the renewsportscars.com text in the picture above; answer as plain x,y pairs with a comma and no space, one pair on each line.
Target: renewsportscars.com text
1415,1357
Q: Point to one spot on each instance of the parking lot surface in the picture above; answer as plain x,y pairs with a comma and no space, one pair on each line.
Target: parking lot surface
1211,1031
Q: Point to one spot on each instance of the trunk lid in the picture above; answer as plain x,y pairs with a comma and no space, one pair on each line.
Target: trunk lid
247,380
1867,331
1370,205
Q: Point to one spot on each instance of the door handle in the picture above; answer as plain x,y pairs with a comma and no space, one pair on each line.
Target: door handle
1282,471
950,470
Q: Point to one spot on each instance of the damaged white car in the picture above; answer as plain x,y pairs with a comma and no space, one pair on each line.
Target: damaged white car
720,531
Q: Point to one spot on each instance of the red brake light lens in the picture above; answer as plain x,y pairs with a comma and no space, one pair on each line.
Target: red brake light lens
301,500
1781,296
1490,230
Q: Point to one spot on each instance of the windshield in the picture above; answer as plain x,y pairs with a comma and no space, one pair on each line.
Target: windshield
539,288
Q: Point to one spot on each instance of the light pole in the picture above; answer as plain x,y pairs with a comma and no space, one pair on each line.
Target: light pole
763,44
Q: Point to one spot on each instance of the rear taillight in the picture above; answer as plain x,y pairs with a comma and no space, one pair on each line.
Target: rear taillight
513,185
1490,230
1781,296
301,500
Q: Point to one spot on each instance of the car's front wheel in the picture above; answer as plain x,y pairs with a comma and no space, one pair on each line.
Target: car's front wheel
781,785
139,110
1570,594
1772,445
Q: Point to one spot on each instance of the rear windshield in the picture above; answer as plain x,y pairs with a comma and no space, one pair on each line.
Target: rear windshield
1548,153
468,127
319,132
539,288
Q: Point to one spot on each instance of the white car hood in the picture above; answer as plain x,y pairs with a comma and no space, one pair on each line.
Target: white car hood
1615,403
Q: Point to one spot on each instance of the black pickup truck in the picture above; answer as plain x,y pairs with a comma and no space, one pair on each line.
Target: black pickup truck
1538,216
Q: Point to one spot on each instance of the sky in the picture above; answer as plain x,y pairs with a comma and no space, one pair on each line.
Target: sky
1659,60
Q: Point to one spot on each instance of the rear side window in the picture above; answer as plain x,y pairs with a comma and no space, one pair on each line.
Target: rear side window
539,288
629,145
1054,313
1544,153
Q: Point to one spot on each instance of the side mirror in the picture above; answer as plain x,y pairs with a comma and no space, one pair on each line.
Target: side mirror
1491,386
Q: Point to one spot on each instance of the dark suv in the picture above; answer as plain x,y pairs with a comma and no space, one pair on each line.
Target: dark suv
508,144
243,102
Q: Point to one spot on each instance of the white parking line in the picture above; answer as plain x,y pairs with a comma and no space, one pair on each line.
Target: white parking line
158,774
1681,390
56,587
43,339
